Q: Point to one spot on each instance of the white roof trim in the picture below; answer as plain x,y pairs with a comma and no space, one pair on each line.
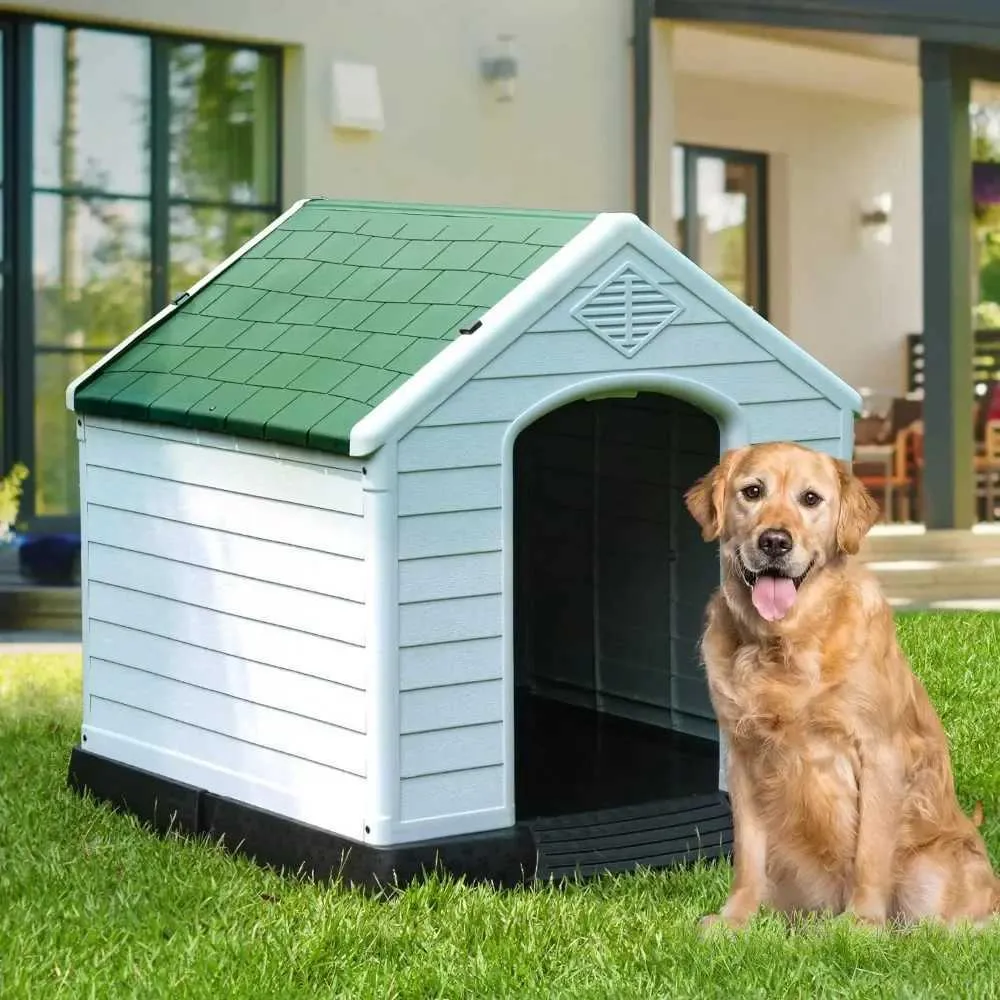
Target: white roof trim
156,319
557,277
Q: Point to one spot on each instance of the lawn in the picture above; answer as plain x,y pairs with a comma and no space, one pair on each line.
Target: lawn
92,906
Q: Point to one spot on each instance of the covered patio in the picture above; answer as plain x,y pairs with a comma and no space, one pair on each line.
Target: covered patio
929,443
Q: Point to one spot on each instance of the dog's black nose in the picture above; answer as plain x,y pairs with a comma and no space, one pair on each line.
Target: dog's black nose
774,542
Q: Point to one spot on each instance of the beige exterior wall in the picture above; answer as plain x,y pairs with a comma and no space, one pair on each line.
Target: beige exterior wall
563,142
846,300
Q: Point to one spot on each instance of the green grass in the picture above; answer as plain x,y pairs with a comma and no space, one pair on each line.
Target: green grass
92,906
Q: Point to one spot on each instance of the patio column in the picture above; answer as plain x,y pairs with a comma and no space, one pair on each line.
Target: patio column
642,27
949,487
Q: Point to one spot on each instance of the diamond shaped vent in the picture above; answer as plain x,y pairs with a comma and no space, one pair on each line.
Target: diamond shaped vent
627,310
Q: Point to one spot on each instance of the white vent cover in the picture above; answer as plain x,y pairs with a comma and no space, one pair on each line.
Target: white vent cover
627,310
357,99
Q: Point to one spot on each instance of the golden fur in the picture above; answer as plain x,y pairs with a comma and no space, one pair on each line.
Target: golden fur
839,771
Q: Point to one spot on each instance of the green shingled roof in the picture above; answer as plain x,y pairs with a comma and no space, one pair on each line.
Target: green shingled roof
324,318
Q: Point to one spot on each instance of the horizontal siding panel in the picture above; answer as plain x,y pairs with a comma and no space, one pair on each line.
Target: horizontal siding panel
451,447
270,520
259,725
451,794
318,796
583,352
450,621
450,533
228,442
483,401
210,548
317,614
450,576
831,446
751,382
560,318
451,750
234,676
451,663
237,472
429,709
241,637
798,420
288,775
449,489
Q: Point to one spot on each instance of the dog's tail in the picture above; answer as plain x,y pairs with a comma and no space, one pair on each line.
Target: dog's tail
977,816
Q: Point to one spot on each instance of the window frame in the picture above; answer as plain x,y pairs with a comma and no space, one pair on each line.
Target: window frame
18,349
760,246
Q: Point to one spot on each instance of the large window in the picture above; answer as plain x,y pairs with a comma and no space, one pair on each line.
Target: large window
149,159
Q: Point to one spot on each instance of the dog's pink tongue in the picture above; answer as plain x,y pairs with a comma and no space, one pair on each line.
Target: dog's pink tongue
773,596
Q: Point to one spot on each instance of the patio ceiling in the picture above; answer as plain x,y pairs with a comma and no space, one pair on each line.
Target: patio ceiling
801,60
958,22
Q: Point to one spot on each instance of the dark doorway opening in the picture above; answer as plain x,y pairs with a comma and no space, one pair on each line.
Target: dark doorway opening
611,582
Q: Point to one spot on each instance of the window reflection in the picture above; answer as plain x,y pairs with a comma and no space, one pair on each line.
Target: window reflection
91,110
223,124
202,237
91,270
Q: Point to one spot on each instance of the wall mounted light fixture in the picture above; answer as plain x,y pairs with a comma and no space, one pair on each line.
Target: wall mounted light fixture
498,66
876,218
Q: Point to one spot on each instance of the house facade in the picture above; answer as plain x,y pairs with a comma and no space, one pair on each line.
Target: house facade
815,162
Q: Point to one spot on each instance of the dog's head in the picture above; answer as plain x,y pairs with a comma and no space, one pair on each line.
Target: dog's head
782,512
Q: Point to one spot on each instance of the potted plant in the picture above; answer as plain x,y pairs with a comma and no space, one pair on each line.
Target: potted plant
11,487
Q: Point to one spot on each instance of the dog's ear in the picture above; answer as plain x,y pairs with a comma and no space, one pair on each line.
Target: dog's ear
858,510
706,500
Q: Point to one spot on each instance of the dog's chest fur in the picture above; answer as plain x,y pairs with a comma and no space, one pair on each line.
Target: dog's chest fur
786,716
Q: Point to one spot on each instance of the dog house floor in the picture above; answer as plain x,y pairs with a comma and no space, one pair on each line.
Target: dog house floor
572,760
602,794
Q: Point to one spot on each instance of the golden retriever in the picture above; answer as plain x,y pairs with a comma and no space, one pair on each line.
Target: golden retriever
838,767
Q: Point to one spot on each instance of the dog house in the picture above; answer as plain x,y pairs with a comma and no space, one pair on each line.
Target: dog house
385,563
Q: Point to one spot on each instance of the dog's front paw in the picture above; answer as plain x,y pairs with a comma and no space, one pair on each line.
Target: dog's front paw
868,909
715,922
737,911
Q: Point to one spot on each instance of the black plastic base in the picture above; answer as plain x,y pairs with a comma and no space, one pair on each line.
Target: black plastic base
584,845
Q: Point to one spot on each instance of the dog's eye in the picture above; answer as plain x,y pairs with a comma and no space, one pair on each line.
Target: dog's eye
751,492
810,499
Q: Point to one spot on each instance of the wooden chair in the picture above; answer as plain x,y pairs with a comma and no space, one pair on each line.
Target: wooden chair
913,464
871,430
907,453
987,468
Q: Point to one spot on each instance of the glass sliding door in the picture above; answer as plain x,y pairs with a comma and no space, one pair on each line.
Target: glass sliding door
721,217
133,164
90,211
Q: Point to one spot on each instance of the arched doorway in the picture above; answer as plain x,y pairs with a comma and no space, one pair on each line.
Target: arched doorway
611,579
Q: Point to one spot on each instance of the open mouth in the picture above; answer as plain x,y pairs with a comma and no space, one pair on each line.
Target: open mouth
750,578
772,591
